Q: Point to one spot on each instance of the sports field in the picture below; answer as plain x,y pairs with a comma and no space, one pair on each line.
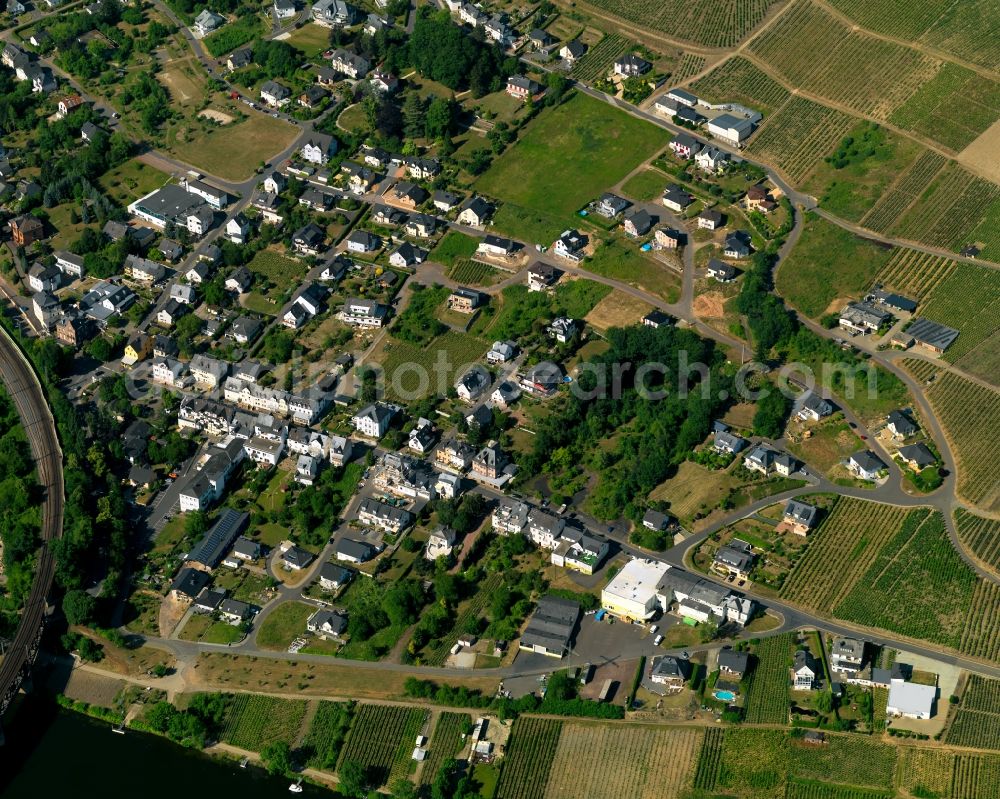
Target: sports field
567,157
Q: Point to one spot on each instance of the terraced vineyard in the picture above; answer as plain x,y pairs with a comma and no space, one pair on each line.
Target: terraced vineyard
956,209
754,762
815,790
973,436
915,273
980,535
617,762
981,634
709,760
949,304
252,722
842,549
977,720
975,776
446,742
917,585
381,739
767,699
846,759
596,62
473,273
528,759
800,135
969,29
926,771
689,66
815,51
904,192
701,21
740,80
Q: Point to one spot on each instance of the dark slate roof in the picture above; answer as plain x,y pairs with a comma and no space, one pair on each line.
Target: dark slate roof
190,582
933,334
217,541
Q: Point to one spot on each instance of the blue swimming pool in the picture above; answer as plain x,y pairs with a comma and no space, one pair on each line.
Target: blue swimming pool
725,696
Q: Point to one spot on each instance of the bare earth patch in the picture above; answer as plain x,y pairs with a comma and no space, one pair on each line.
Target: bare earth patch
709,305
618,309
983,155
217,116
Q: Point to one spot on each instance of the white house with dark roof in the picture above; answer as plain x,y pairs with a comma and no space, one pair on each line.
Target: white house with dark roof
865,465
374,420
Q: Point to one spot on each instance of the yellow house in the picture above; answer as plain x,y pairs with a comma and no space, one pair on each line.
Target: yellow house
138,348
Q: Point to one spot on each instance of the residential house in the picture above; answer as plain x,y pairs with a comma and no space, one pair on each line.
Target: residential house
326,624
283,9
917,456
407,194
421,168
521,87
542,380
245,330
238,229
733,663
510,517
863,317
490,462
610,205
340,450
334,13
208,21
901,426
363,313
657,520
69,263
685,145
173,310
387,517
275,94
496,246
676,199
847,656
440,543
406,256
505,394
164,347
670,672
275,183
758,199
865,465
374,420
711,160
735,558
502,352
239,59
362,241
318,148
422,436
215,197
383,82
106,299
544,529
208,372
667,239
455,455
657,319
710,219
803,671
475,212
539,38
295,558
473,384
44,278
73,331
198,273
727,443
309,239
799,517
639,222
171,250
445,201
333,577
562,329
138,348
168,372
630,65
572,51
69,104
541,276
737,245
465,300
200,220
26,230
144,270
421,226
570,245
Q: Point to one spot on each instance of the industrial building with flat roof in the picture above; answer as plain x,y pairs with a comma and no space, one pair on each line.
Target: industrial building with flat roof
634,591
550,628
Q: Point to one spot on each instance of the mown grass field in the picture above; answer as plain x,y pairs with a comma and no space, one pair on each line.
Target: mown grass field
131,180
285,623
454,245
311,39
828,263
567,157
620,259
646,185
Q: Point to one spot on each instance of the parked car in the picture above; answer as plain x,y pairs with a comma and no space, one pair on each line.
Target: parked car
658,640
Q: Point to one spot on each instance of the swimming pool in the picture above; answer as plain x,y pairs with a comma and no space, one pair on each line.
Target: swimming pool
725,696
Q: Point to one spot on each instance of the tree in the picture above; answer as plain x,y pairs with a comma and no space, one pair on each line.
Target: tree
440,117
353,779
772,412
824,701
413,115
277,757
79,607
404,789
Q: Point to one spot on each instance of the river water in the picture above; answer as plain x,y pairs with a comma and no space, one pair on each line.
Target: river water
59,753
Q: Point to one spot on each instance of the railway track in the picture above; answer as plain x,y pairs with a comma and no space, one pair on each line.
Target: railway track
26,392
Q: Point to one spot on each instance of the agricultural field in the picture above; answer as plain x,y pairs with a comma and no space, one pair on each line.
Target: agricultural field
977,720
846,759
741,81
953,108
701,21
381,739
689,66
841,550
767,692
926,771
949,304
252,722
956,209
446,742
855,176
589,145
915,274
597,61
709,760
814,790
828,266
799,136
528,760
973,436
473,273
471,608
905,191
616,762
326,734
980,535
755,761
969,29
917,585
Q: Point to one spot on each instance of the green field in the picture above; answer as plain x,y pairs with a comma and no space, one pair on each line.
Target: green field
828,263
473,273
256,139
767,694
738,80
454,245
948,303
528,760
311,39
201,627
327,732
567,157
645,185
132,180
980,535
857,174
381,740
280,275
620,259
285,623
404,364
252,722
